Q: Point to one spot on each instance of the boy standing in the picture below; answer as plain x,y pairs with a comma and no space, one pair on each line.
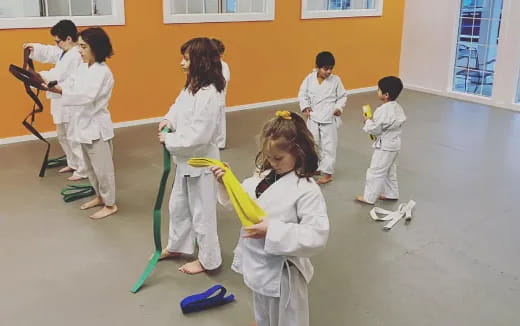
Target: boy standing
386,125
66,57
322,99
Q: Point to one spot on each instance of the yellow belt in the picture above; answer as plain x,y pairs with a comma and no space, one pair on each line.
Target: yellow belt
247,209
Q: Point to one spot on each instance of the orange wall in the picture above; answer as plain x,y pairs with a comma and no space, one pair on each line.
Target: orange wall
268,60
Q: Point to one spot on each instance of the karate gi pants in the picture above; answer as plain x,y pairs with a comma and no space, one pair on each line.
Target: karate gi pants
72,150
381,177
100,169
193,218
326,138
291,308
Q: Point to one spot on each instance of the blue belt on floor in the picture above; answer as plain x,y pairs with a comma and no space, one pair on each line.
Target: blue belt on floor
206,300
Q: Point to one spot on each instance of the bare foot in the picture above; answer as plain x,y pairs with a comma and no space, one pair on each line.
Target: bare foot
75,178
65,169
165,253
193,267
325,179
362,200
386,198
93,203
104,212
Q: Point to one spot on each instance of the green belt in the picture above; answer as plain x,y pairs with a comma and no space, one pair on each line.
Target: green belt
74,192
57,162
156,220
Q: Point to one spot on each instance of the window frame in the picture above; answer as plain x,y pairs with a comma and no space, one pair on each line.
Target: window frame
344,13
457,32
116,18
169,18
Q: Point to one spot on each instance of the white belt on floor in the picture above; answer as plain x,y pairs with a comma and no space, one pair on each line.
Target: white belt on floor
404,210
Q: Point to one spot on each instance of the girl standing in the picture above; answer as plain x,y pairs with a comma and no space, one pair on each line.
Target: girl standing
193,119
273,255
86,93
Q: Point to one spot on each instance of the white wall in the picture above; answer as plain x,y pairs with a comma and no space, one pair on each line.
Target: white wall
428,50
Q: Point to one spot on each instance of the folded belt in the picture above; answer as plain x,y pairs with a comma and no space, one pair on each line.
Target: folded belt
404,210
213,297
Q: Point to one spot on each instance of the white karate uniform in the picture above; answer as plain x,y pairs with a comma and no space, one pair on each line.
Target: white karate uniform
87,93
221,136
277,268
323,99
381,177
65,64
193,200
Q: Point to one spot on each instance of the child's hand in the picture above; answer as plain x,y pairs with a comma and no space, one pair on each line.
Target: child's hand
338,112
162,137
307,112
257,231
54,89
165,123
218,172
30,46
45,80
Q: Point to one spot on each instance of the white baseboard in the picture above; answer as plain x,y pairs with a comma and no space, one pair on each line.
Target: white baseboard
124,124
19,139
52,134
362,90
261,104
465,97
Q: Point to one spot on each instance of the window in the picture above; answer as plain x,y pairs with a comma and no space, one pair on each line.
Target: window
203,11
46,13
476,50
341,8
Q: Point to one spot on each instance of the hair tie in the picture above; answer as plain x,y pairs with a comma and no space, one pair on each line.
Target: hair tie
284,115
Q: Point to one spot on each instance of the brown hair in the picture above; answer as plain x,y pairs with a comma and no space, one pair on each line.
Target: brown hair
289,133
205,66
220,46
98,41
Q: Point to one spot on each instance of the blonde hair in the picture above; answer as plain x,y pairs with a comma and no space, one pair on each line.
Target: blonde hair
288,132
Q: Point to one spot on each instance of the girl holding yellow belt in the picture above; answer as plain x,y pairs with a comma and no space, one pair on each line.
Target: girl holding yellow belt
273,254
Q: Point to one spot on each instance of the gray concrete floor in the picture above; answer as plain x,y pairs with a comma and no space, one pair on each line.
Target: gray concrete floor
457,263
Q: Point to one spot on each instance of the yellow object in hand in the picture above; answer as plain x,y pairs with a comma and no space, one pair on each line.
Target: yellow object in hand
247,209
367,112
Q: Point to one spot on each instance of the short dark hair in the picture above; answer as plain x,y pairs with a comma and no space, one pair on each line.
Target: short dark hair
325,59
390,85
65,28
98,41
220,46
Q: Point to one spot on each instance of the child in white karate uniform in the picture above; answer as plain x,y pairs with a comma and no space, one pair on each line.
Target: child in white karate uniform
221,136
193,119
273,255
386,124
322,99
66,59
87,93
